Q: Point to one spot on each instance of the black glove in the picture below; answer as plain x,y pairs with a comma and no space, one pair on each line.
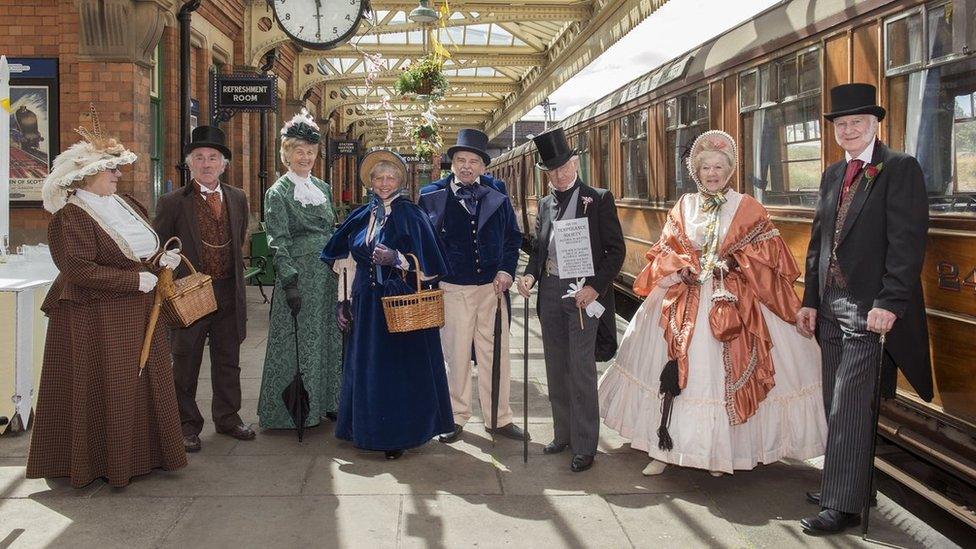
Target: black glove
384,256
344,316
293,299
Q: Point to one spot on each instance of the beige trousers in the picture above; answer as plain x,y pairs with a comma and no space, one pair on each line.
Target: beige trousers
469,316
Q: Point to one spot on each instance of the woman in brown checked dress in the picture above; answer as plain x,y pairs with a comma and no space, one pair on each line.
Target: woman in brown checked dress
96,416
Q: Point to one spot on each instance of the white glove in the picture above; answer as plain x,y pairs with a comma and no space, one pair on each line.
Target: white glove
170,259
147,281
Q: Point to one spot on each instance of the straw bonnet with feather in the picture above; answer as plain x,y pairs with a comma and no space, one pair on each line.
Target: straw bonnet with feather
94,154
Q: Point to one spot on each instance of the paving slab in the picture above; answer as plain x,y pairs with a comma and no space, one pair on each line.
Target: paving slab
224,476
14,445
496,521
82,523
414,473
14,484
305,521
610,474
683,520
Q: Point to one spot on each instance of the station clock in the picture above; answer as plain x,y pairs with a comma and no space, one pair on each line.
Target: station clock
319,24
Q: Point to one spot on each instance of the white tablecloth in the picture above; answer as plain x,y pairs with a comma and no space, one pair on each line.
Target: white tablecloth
23,286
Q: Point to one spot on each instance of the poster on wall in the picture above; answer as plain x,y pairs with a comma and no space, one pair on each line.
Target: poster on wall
34,135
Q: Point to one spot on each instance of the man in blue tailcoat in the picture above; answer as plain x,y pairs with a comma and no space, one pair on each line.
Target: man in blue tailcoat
474,218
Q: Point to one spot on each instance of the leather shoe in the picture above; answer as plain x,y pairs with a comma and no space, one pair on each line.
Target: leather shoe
830,521
453,436
511,431
554,448
393,454
814,497
191,443
581,463
240,432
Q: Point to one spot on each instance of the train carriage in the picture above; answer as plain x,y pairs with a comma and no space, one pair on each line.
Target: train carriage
766,83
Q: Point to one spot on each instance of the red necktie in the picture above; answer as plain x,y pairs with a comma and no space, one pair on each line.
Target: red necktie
853,170
213,201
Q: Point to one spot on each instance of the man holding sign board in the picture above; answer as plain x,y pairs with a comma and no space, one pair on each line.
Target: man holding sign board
578,251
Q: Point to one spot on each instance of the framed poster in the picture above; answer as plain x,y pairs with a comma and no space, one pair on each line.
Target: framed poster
34,134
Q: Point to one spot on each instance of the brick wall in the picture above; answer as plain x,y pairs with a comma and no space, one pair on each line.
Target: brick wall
120,92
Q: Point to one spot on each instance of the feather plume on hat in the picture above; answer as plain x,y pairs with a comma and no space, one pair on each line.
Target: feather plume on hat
302,126
94,154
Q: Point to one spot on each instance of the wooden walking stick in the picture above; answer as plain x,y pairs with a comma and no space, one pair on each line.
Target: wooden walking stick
876,409
525,383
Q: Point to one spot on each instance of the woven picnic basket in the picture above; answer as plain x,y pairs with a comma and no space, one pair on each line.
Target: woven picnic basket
191,298
417,311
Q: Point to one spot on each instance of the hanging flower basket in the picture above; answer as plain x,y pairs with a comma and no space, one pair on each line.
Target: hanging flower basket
424,151
425,77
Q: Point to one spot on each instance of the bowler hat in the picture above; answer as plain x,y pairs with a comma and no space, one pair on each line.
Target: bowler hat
848,99
554,150
207,136
471,140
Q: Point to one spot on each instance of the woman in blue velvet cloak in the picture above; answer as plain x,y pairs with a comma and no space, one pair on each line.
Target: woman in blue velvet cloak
394,392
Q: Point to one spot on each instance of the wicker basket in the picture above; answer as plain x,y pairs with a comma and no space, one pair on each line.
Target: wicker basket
192,297
411,312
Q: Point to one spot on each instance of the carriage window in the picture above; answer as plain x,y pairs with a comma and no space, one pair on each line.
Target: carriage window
580,143
633,154
781,145
603,177
686,117
931,117
931,108
903,41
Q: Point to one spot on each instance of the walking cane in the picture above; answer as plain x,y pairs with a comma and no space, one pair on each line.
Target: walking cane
496,366
525,383
865,514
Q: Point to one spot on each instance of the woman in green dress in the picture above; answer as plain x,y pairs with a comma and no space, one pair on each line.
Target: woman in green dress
299,218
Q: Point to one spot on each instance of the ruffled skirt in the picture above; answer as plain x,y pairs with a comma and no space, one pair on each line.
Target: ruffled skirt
790,422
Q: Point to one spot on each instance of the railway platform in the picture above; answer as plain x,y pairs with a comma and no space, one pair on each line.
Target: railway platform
277,492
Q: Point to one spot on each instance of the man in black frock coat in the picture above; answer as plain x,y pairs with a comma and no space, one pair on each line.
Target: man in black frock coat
570,349
862,280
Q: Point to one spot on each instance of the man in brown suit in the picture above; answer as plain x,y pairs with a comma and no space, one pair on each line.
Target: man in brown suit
210,218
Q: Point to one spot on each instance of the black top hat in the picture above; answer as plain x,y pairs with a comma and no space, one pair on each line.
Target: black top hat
207,136
554,150
848,99
471,140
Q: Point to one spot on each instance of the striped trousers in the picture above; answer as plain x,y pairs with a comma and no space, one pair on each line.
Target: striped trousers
850,361
570,367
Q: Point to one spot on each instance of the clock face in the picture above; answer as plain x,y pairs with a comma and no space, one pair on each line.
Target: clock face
319,24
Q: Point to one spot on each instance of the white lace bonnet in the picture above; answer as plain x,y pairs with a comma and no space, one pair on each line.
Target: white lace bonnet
94,154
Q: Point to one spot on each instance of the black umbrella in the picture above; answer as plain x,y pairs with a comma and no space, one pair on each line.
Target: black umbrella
295,396
496,366
876,408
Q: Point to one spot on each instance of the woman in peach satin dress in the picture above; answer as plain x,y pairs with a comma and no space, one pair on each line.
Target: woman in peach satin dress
711,372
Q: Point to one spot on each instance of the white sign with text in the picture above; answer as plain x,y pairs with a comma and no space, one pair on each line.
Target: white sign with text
572,238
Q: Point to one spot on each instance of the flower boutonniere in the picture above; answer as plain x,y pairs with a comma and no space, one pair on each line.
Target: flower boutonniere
871,172
587,200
